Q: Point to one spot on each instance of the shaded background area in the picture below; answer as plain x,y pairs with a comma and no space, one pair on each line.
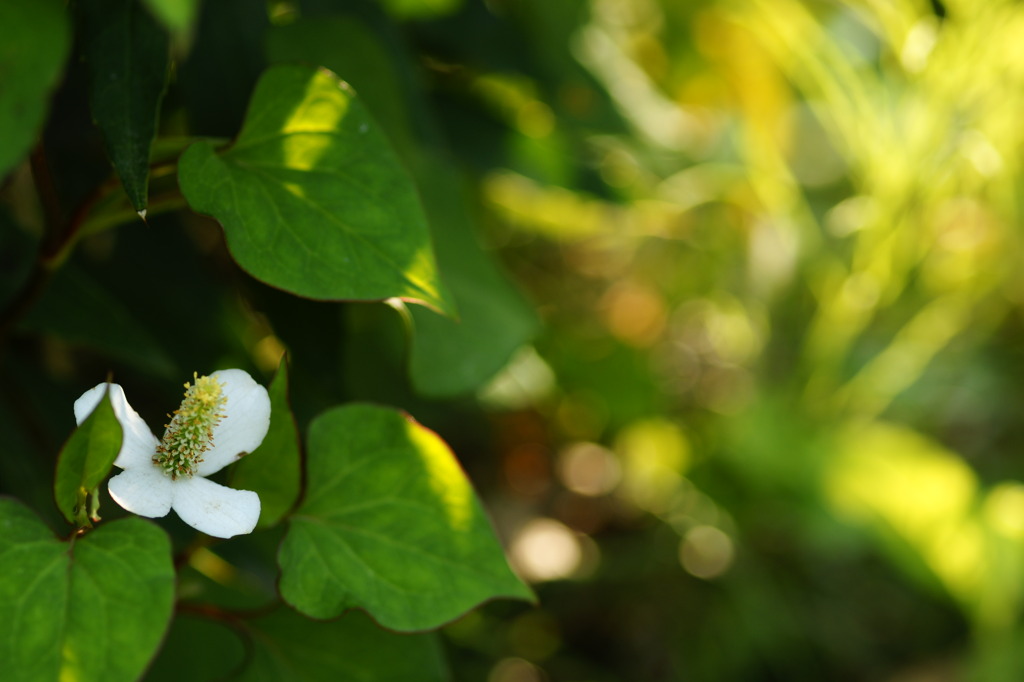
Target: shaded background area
766,423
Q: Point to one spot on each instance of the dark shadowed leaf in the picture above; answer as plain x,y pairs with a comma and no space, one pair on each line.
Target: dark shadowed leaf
126,52
34,43
223,65
214,651
76,309
290,648
453,357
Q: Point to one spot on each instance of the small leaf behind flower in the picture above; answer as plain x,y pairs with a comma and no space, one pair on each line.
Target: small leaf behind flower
86,460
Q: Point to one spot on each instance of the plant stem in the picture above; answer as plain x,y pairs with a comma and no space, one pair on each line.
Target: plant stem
47,190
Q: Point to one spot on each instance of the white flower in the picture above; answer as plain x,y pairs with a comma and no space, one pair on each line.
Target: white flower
223,417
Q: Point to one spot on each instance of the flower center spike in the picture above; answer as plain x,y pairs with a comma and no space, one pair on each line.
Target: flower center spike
190,432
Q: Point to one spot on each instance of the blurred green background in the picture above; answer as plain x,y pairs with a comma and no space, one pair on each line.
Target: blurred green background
771,428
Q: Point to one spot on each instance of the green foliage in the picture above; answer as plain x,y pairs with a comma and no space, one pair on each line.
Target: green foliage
311,197
454,357
314,202
288,647
420,8
215,651
361,58
94,607
177,15
449,357
126,51
276,474
34,42
759,402
387,511
85,461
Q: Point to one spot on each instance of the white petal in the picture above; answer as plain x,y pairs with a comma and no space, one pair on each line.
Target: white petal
246,420
146,491
138,444
215,509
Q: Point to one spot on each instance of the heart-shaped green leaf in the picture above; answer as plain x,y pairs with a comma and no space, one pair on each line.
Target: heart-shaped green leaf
93,608
390,524
312,198
34,43
86,460
449,357
274,470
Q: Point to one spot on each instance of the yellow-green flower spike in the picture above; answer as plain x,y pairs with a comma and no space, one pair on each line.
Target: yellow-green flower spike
190,432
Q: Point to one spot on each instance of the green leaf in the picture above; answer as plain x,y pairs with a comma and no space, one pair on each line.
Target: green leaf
421,9
390,524
312,198
214,651
126,52
449,357
454,357
350,49
34,41
290,648
93,608
274,470
86,460
177,15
